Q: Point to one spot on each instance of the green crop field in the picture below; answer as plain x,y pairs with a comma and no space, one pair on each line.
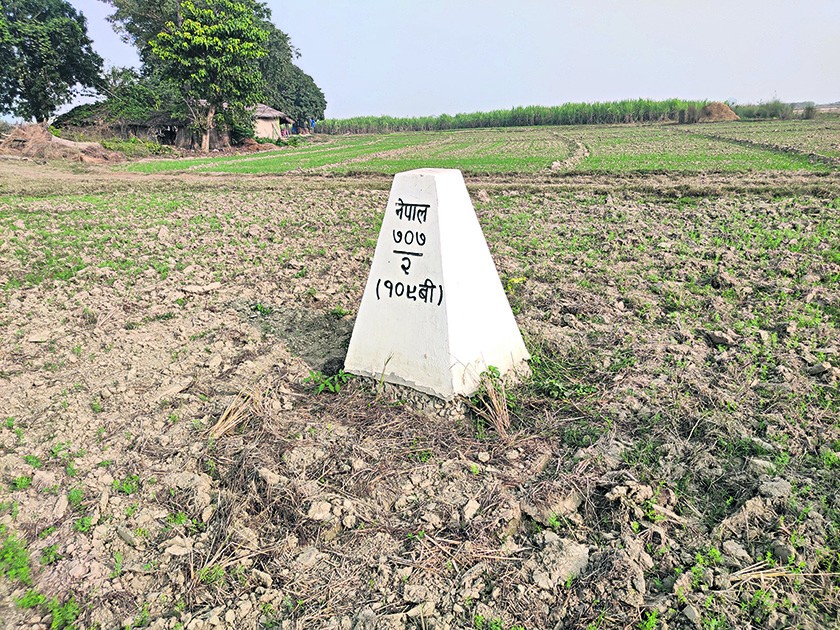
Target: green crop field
729,147
820,137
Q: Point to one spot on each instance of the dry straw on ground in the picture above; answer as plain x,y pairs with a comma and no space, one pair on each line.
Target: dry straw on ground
36,142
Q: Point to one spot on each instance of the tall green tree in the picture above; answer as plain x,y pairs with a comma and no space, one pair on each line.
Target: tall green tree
298,96
139,21
214,53
287,87
45,55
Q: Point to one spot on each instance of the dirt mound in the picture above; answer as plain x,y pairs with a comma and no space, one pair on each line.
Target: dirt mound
35,141
717,112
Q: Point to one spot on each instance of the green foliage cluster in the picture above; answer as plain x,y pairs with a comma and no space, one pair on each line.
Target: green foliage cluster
768,109
63,615
205,64
291,141
628,111
213,52
14,558
45,53
134,147
321,382
809,111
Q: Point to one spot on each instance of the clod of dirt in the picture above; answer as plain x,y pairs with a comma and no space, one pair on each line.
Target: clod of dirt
775,489
560,560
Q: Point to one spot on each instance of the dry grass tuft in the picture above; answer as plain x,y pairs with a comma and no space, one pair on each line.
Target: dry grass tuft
492,404
247,403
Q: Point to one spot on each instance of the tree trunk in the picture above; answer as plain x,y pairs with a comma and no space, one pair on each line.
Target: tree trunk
205,140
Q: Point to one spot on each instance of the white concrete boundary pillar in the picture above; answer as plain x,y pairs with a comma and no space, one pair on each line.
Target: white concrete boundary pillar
434,314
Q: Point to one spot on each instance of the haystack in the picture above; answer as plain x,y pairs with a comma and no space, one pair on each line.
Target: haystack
717,112
35,141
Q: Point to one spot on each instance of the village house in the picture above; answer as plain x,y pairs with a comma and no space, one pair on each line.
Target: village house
269,122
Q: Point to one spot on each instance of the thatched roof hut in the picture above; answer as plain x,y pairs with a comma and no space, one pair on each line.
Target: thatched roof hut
267,121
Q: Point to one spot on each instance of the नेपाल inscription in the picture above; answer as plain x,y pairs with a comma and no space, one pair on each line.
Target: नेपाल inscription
412,211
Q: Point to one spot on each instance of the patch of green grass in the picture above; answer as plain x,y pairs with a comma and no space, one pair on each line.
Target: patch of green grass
262,309
31,599
129,485
63,615
21,483
50,555
75,496
211,574
14,558
118,564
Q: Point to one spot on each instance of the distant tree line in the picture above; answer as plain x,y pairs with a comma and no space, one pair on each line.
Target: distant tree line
775,109
628,111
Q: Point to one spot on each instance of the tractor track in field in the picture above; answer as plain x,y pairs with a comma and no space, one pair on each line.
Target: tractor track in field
578,152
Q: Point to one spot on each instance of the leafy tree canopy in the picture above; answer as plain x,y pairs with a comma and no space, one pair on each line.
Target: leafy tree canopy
139,21
297,96
44,54
213,52
287,87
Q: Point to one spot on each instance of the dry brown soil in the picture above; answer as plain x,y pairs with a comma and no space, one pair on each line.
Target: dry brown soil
674,461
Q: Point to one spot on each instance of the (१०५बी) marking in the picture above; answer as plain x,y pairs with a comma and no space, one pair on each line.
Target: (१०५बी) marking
424,292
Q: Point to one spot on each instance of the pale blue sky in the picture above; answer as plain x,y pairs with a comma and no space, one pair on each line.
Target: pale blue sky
413,57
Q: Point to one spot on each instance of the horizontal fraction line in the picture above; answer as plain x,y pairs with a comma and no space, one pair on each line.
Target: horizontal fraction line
397,251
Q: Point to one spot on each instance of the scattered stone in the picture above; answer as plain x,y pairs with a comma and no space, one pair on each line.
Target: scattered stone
561,559
270,477
819,368
319,511
426,609
692,614
554,504
416,593
470,510
761,466
264,578
308,558
60,507
78,570
484,457
783,551
41,336
180,546
43,479
720,338
128,537
736,552
170,390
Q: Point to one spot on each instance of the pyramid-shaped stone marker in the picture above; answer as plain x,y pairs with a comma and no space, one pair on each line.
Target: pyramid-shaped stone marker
434,314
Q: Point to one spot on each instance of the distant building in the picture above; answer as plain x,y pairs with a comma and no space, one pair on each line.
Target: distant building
269,122
96,122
